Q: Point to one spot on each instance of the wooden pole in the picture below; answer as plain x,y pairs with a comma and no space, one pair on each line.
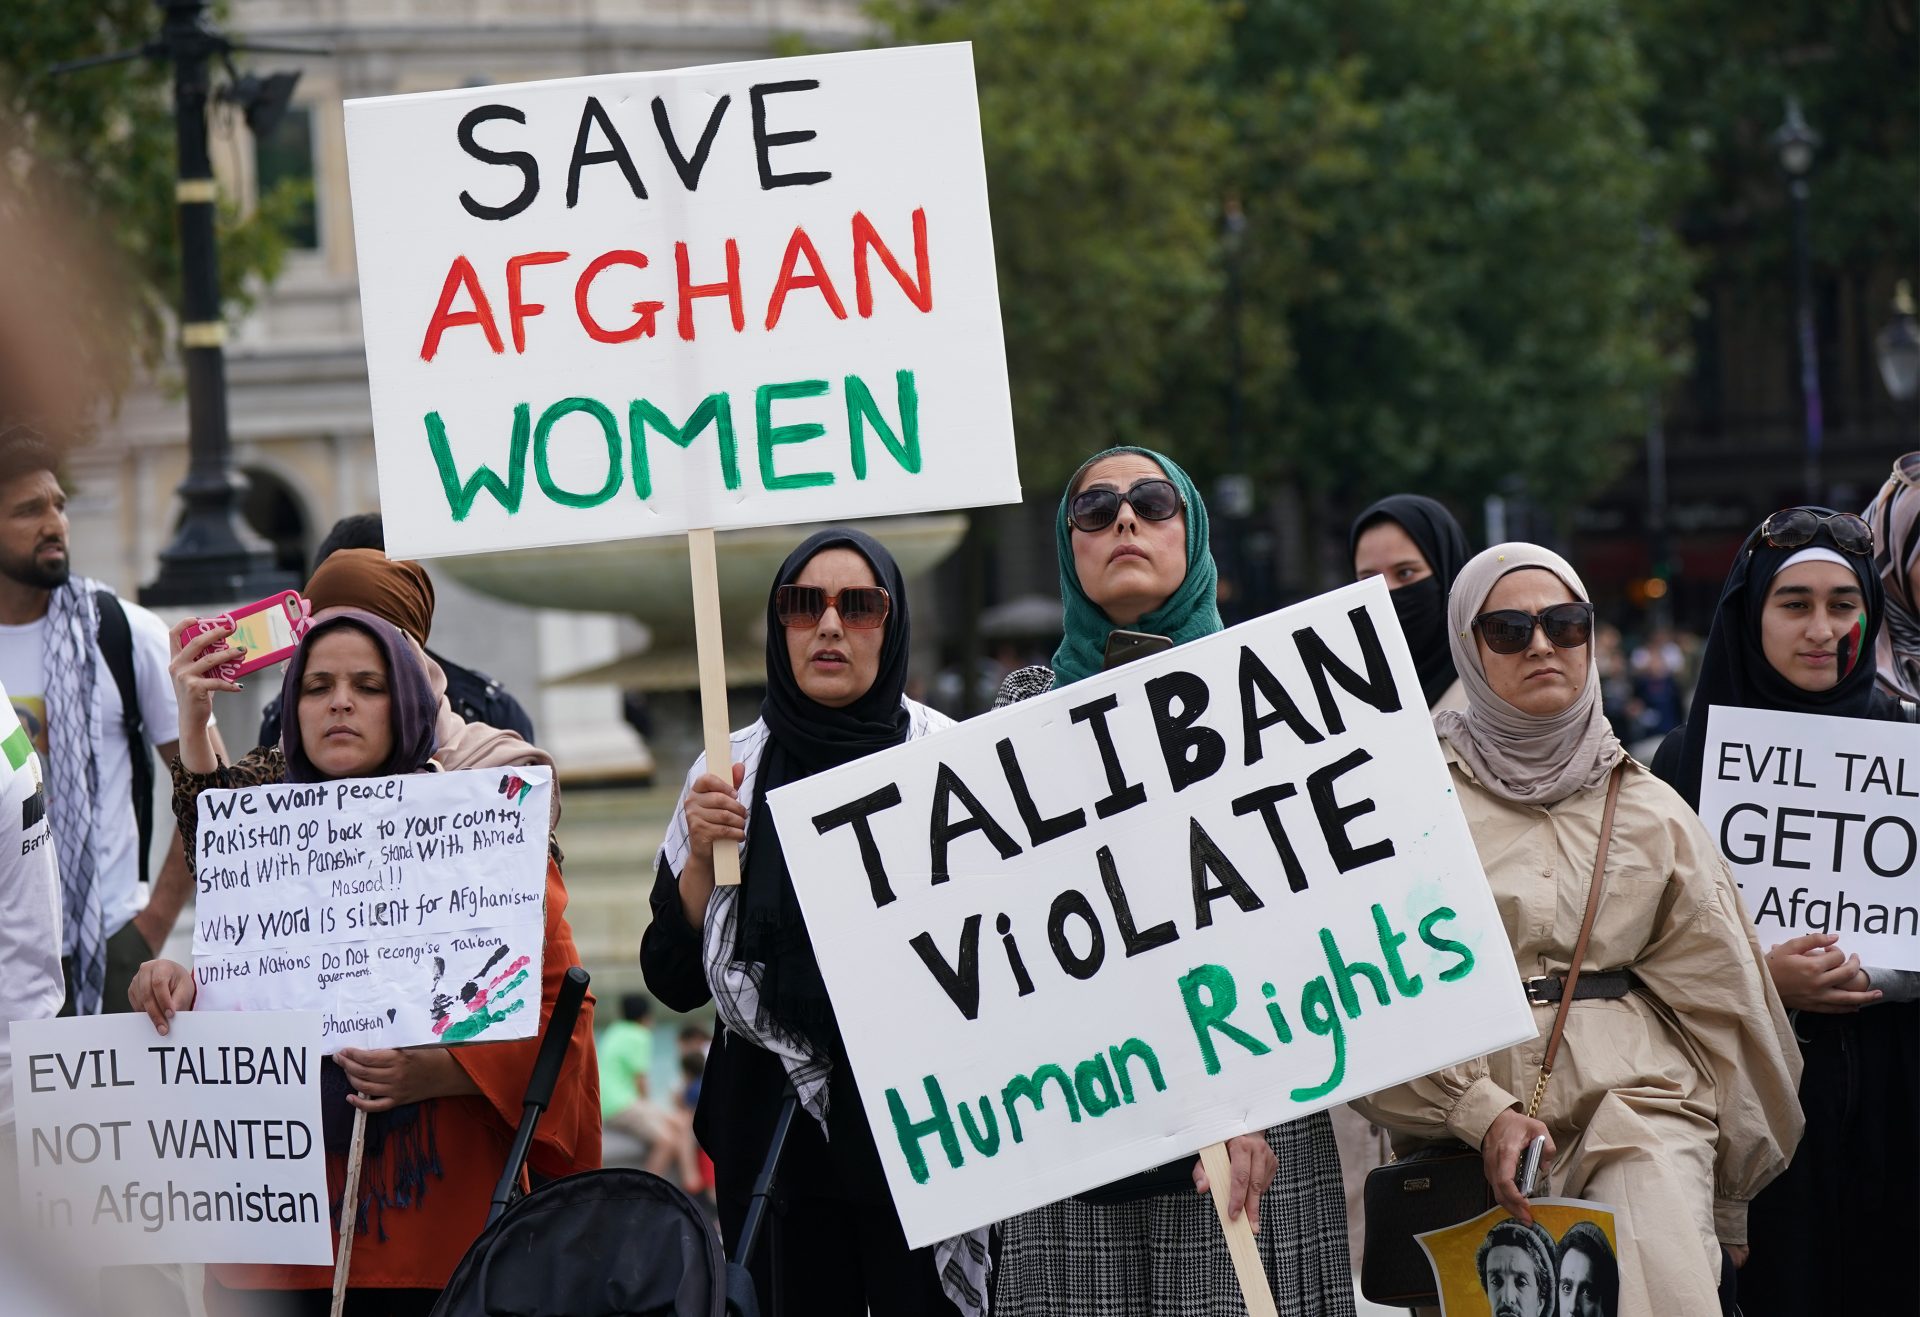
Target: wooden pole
1241,1245
713,681
350,1209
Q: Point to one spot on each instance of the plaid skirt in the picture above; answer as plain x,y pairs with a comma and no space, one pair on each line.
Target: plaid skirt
1166,1257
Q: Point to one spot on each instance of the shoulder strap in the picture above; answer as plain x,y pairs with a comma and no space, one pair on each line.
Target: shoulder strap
1594,889
116,647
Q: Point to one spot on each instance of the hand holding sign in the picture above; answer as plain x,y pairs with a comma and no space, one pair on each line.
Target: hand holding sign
1812,973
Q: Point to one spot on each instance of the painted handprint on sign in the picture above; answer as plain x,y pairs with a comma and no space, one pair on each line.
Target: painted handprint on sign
483,1001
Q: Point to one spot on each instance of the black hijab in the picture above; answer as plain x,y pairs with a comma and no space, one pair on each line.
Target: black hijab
807,738
1734,670
1422,606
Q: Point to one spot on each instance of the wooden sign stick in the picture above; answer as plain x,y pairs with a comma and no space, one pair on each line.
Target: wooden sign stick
713,681
1241,1245
350,1209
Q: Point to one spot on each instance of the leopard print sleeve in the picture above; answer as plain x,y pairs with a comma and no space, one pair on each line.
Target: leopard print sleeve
258,766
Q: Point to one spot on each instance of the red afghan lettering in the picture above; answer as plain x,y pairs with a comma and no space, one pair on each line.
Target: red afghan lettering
460,275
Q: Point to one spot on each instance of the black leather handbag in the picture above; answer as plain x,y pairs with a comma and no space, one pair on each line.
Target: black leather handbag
1445,1183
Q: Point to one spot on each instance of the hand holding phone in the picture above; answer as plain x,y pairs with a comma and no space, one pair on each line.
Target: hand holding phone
1527,1174
268,630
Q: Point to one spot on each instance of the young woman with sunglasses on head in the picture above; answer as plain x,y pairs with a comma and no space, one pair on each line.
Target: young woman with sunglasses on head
1131,541
1795,631
1672,1098
837,645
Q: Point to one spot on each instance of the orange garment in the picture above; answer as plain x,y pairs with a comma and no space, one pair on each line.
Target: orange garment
472,1135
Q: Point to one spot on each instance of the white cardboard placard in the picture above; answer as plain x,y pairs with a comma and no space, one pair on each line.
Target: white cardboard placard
1819,819
612,307
408,910
1072,896
200,1146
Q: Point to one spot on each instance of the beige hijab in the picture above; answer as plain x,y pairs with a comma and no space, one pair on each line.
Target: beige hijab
1894,515
402,593
1526,759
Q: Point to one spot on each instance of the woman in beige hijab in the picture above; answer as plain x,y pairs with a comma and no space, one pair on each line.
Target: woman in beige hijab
1672,1099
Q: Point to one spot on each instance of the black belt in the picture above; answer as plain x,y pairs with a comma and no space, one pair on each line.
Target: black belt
1605,984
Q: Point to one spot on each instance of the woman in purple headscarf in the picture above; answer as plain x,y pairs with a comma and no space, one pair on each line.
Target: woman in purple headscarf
439,1119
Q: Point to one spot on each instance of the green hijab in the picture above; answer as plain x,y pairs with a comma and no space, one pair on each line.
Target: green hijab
1190,612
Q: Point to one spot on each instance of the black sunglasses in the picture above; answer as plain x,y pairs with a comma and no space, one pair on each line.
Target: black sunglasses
1093,510
1508,630
861,607
1793,527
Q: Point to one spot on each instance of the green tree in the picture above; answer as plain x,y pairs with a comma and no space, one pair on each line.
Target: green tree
1458,273
1106,143
101,142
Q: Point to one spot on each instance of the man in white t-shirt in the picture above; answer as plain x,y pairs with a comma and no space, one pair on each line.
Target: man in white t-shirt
31,983
62,685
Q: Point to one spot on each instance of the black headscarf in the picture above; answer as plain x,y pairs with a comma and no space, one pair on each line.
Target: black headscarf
807,738
1422,606
1734,670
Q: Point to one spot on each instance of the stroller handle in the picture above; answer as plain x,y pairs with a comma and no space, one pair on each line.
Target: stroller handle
553,1044
546,1071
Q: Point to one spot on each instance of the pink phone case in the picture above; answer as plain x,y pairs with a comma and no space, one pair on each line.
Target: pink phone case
289,605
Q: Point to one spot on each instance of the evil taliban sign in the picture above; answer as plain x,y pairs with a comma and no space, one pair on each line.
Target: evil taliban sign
1819,819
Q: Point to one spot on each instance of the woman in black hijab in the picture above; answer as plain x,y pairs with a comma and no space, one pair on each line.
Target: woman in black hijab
1419,548
1795,631
837,646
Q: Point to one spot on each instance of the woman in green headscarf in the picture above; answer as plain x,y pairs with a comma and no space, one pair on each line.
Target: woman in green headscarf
1133,548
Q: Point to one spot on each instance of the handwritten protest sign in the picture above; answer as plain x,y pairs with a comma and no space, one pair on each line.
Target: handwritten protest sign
1202,894
611,307
1819,819
406,910
200,1146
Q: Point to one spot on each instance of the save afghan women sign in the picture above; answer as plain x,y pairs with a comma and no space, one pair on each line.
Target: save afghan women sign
1207,892
611,307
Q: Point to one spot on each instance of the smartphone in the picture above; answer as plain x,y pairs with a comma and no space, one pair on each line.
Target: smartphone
268,629
1528,1172
1126,646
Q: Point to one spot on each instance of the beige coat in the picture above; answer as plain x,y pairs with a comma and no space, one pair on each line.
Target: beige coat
1677,1103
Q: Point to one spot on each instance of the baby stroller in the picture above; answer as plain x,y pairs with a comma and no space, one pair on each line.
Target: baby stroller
609,1243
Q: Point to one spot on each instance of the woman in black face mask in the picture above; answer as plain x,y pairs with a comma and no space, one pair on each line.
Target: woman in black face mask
1419,548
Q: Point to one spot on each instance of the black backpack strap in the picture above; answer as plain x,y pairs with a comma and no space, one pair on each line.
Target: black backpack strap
116,646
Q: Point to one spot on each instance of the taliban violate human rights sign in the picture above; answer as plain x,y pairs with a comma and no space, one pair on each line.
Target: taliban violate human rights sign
613,307
1202,894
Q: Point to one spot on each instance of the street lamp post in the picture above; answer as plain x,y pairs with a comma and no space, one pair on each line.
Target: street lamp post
1234,493
1795,144
1897,348
209,561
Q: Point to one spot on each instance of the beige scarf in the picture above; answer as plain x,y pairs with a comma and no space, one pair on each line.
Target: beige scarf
460,744
1526,759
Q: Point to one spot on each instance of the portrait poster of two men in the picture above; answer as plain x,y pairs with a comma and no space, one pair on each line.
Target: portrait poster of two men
1563,1265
